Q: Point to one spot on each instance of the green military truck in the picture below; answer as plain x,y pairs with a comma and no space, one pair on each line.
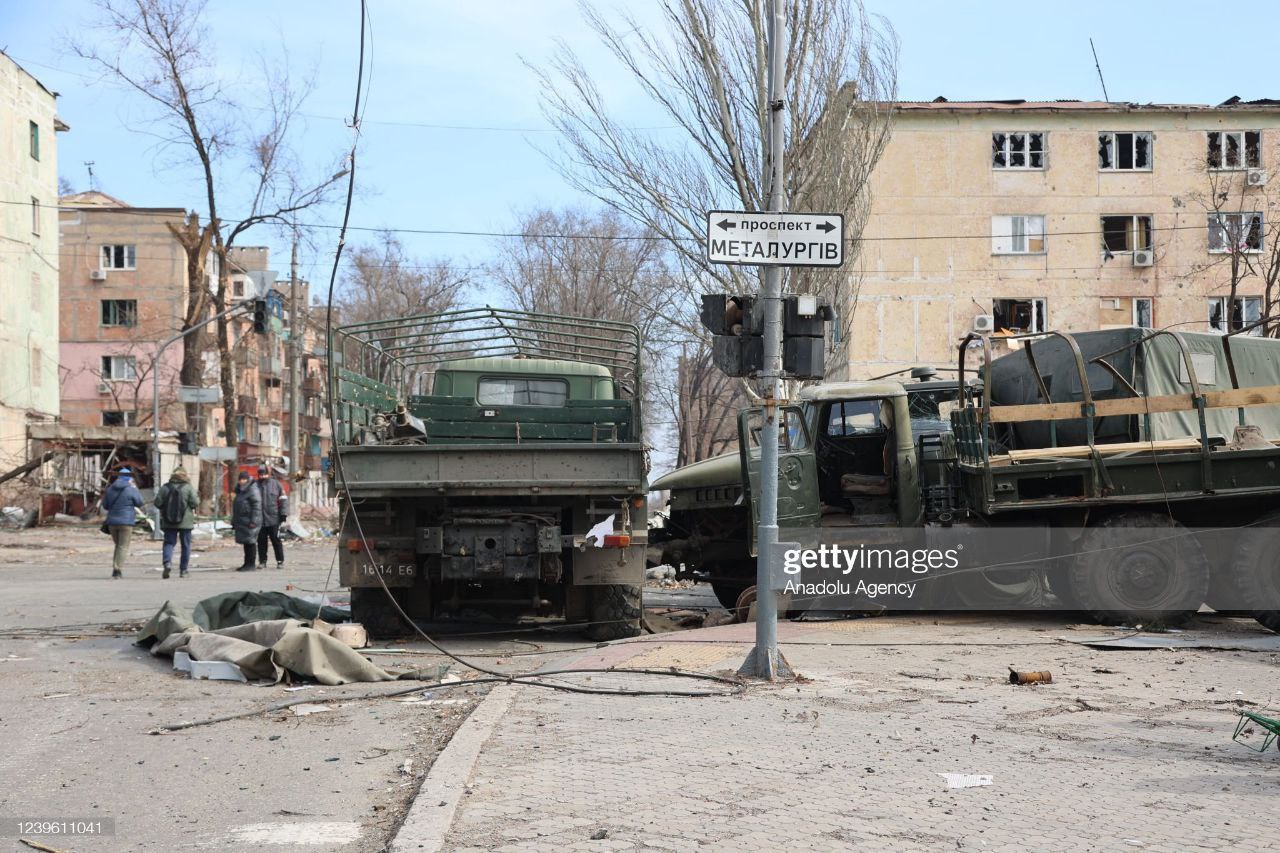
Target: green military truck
489,464
1146,462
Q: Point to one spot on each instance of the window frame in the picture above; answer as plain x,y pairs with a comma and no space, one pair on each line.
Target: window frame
33,140
1112,147
35,216
1245,165
108,368
1215,226
1042,314
128,417
1131,229
1151,311
1006,151
1027,236
131,312
562,382
128,253
1243,299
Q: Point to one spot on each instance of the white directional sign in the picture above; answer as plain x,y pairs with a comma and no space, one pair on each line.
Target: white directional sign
775,239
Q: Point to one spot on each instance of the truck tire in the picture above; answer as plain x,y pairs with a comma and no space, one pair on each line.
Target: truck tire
615,612
1155,583
1256,575
370,607
727,593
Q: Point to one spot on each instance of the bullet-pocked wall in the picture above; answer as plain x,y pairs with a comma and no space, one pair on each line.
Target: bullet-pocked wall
1059,215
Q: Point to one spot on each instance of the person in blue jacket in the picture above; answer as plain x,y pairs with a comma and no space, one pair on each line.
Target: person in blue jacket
121,501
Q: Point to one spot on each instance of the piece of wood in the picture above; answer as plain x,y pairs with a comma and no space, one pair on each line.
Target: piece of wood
1075,451
1267,395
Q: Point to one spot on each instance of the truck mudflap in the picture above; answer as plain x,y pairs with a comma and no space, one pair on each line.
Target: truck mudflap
596,566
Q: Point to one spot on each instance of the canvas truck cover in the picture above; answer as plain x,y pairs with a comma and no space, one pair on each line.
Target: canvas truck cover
1152,367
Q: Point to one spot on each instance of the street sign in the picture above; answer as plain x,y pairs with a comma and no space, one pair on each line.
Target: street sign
218,454
775,239
192,394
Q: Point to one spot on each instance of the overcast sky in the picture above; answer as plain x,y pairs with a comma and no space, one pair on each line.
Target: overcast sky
460,64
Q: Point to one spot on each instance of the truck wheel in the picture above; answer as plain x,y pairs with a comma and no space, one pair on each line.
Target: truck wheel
727,593
1119,578
615,612
1256,575
369,607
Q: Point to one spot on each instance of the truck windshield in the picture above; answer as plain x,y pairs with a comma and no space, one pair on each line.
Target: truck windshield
514,391
854,417
931,410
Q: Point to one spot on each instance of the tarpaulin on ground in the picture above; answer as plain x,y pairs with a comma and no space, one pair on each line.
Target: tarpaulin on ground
264,649
238,608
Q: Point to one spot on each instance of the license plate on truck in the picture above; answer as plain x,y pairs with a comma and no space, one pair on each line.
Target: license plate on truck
358,568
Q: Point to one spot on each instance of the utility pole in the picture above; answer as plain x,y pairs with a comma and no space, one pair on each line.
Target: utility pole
295,358
765,661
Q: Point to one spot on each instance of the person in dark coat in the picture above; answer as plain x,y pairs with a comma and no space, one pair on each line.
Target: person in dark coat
275,509
177,502
246,518
121,500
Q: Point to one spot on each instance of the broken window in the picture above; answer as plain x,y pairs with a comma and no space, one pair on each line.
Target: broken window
1018,150
1235,232
1017,235
1143,312
118,418
119,312
1235,149
1127,233
1019,316
119,367
1243,310
119,257
1124,151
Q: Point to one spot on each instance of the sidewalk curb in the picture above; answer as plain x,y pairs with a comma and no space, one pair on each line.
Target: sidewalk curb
432,812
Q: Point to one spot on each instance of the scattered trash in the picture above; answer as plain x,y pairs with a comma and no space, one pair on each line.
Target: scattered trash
600,835
1103,670
351,633
308,708
1038,677
182,661
595,536
299,687
216,670
965,780
407,767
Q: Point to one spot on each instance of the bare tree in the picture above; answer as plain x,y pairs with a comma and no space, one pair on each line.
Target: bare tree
707,74
163,51
382,281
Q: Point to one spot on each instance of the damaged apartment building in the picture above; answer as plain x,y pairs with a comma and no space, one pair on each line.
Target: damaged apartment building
1017,217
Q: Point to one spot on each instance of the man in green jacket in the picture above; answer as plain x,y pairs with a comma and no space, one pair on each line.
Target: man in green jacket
177,502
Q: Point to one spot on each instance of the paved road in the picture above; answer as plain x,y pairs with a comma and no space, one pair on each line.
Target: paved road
77,699
1124,750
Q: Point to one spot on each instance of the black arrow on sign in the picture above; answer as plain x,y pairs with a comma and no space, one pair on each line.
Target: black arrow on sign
727,224
826,226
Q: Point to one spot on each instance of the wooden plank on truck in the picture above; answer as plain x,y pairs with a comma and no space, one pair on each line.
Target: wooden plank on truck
1268,395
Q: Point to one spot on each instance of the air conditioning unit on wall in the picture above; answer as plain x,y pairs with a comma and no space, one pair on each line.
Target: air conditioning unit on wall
1256,178
97,275
104,387
1143,258
984,323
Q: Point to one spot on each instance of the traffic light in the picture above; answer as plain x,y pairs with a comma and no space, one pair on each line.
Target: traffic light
260,316
737,326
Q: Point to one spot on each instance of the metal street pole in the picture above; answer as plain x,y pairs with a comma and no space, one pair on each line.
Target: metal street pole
295,359
155,399
765,661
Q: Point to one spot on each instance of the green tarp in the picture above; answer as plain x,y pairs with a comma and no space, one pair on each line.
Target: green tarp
237,608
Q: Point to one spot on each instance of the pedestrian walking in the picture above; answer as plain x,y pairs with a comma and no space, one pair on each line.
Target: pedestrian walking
246,518
275,509
121,501
177,502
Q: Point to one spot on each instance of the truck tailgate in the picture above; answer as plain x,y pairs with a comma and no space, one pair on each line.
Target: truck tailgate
494,469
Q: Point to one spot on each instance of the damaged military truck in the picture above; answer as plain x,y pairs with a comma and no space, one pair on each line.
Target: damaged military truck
1139,471
489,465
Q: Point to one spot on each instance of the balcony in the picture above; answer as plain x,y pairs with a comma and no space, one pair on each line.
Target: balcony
247,404
312,386
311,462
309,423
270,366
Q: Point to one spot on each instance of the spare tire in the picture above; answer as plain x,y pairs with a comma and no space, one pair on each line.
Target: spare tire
1255,570
1120,575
